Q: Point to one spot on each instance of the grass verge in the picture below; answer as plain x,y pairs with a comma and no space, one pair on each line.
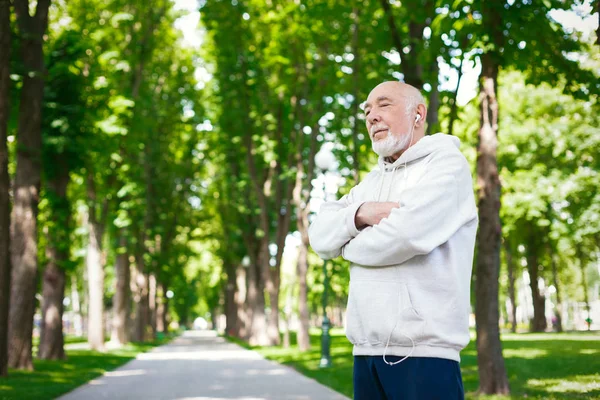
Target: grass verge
547,366
51,379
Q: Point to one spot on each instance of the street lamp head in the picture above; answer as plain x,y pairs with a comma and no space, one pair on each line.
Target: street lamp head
325,159
246,261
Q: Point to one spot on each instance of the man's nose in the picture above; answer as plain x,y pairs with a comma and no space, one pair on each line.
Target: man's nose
373,118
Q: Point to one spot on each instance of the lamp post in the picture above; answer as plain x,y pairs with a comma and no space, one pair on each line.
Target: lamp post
325,161
325,336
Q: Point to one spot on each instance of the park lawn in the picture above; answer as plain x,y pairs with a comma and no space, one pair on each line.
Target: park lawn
547,366
50,379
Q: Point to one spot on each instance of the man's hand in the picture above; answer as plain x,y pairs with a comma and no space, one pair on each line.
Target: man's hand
372,212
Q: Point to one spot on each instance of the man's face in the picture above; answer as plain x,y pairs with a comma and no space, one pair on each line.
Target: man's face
387,121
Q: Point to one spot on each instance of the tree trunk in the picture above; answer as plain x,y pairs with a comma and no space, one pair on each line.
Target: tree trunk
5,270
302,202
584,287
152,303
454,104
411,65
558,309
492,372
302,269
120,333
538,324
27,184
78,322
433,121
301,196
58,249
273,320
598,29
52,339
161,298
231,317
287,313
510,266
95,275
356,93
257,329
140,299
214,320
241,304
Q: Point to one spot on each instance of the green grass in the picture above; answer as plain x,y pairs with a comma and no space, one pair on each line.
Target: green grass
50,379
548,366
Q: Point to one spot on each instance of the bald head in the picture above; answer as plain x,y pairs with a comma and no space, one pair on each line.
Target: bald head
410,94
402,88
395,114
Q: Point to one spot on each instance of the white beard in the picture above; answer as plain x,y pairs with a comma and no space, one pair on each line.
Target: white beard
391,144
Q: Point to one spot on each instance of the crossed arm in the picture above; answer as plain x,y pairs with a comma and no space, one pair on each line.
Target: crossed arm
388,233
372,212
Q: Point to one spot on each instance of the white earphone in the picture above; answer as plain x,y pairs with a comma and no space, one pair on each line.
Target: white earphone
417,118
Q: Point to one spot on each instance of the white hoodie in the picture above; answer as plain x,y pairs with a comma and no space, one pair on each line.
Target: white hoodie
410,274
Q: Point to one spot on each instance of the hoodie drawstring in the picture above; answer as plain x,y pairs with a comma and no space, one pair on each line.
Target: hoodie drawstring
391,363
389,187
380,185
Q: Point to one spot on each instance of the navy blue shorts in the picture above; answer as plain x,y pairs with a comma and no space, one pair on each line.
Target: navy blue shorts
416,378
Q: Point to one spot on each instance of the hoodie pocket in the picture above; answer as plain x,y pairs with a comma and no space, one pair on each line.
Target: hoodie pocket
378,309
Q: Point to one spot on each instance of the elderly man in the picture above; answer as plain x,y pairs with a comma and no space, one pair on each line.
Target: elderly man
408,230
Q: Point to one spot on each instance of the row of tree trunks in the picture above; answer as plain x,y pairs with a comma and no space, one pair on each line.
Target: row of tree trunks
303,184
5,270
27,184
16,322
302,201
259,270
538,322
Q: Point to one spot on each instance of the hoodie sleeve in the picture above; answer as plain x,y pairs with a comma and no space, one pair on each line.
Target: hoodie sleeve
430,212
334,226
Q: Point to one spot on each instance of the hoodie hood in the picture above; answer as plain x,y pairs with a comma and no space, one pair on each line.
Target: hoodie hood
424,147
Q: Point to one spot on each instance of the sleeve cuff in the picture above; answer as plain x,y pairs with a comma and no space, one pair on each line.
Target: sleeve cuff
350,216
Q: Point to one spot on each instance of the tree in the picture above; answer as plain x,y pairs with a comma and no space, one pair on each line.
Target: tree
492,373
65,132
501,36
5,270
27,183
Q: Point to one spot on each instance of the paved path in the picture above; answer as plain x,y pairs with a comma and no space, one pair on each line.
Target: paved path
201,366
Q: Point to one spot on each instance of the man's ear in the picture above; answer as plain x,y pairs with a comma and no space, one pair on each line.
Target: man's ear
421,115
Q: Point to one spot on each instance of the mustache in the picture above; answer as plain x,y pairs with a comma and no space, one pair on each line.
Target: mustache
376,128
